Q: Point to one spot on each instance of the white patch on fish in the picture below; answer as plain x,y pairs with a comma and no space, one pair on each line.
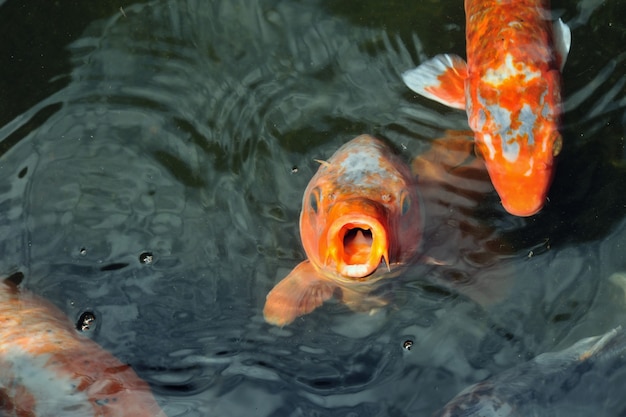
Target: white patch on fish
358,169
489,143
498,76
55,395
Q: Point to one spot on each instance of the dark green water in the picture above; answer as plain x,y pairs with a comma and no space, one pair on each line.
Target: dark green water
189,129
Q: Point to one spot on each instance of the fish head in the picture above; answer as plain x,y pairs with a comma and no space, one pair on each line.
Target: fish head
521,184
516,133
361,213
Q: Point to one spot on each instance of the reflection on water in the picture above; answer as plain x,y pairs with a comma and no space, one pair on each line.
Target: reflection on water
188,129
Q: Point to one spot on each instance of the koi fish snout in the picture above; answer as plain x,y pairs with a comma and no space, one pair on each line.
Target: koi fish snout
522,195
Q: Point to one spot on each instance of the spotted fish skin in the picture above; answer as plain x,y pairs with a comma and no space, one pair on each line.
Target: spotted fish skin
48,369
510,87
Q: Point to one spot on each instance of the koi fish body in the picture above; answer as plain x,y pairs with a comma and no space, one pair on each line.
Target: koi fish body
48,369
532,387
510,88
361,221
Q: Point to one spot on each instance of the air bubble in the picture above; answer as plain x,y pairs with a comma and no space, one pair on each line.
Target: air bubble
146,258
86,322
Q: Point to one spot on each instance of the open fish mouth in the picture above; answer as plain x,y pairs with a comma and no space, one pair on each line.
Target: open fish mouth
357,245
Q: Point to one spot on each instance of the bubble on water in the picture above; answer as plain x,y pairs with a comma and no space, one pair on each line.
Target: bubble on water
86,322
146,258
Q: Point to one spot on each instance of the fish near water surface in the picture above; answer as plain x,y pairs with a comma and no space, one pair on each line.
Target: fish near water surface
510,87
361,221
541,386
48,369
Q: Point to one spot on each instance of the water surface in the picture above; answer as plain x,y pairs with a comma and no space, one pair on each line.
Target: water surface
184,132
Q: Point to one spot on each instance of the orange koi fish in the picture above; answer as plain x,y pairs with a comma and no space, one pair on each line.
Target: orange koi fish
48,369
361,221
510,88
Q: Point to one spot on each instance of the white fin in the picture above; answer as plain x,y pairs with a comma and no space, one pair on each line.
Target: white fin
441,78
562,41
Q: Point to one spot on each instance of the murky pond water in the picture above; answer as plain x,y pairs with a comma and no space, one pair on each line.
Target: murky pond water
153,158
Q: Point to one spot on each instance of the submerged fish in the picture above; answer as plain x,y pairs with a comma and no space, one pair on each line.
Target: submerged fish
534,388
510,88
48,369
361,221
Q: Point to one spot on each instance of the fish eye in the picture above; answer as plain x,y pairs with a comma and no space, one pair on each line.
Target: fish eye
557,146
405,203
314,199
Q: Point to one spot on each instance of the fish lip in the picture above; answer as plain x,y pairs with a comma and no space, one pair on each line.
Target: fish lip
379,245
522,212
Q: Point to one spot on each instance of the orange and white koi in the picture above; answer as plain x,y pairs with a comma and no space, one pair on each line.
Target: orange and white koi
511,90
48,369
361,221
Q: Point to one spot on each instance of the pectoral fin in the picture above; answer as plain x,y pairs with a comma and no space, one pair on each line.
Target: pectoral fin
441,78
301,292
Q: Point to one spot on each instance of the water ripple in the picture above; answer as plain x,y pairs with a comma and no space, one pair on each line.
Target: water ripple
189,131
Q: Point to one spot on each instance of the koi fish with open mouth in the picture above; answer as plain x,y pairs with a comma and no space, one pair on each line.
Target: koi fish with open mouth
361,221
510,87
48,369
